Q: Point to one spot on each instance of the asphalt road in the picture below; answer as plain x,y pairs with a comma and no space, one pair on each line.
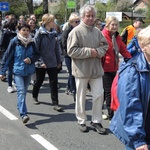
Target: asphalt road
48,129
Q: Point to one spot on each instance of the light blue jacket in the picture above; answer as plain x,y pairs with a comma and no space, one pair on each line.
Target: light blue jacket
128,123
14,56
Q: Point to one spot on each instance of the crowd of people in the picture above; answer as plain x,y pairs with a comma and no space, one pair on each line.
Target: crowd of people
91,53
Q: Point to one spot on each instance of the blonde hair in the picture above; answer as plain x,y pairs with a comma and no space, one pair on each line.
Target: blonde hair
73,17
144,36
46,18
109,19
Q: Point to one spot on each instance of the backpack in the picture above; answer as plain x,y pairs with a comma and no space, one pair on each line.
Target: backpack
124,36
6,36
134,50
114,98
114,88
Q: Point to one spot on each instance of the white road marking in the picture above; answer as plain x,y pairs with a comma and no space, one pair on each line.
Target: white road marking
7,113
37,137
43,142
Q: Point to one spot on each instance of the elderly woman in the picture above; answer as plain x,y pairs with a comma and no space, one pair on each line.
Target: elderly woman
110,61
74,20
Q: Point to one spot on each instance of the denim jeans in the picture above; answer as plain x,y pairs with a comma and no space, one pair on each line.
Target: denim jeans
22,83
128,148
71,79
10,76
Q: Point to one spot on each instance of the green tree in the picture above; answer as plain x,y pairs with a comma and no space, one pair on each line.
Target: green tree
45,6
29,4
123,5
101,10
38,11
24,7
148,10
21,10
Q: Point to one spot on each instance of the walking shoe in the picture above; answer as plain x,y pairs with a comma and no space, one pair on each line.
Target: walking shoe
35,101
32,82
67,91
104,117
98,127
25,119
10,89
83,128
4,79
58,108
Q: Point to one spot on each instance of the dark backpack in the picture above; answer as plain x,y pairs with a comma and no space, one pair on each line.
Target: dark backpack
6,36
124,36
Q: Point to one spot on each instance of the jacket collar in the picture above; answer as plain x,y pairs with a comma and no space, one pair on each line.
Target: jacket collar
86,26
138,61
107,32
143,65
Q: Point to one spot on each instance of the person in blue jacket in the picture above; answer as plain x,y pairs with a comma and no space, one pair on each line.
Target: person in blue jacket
133,47
131,122
22,52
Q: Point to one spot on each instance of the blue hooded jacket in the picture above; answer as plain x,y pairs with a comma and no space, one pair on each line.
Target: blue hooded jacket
129,121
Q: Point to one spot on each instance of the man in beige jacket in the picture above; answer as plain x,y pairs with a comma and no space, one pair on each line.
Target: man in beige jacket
86,45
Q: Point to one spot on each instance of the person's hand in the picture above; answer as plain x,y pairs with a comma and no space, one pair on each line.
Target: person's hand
58,66
94,52
43,66
27,60
143,147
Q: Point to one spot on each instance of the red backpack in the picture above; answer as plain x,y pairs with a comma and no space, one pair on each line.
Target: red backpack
114,87
114,98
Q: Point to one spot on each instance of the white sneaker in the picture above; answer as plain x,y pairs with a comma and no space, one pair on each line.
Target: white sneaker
10,89
104,117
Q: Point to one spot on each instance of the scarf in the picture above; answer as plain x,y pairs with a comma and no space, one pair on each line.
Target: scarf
25,41
115,48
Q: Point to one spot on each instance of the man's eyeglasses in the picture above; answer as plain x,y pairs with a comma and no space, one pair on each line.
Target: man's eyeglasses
77,22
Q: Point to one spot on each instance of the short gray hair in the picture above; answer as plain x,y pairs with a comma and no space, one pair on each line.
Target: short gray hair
87,8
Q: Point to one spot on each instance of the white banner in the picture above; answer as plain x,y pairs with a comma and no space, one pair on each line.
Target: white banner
118,15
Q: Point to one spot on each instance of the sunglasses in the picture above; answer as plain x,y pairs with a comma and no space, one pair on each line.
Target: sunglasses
77,22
